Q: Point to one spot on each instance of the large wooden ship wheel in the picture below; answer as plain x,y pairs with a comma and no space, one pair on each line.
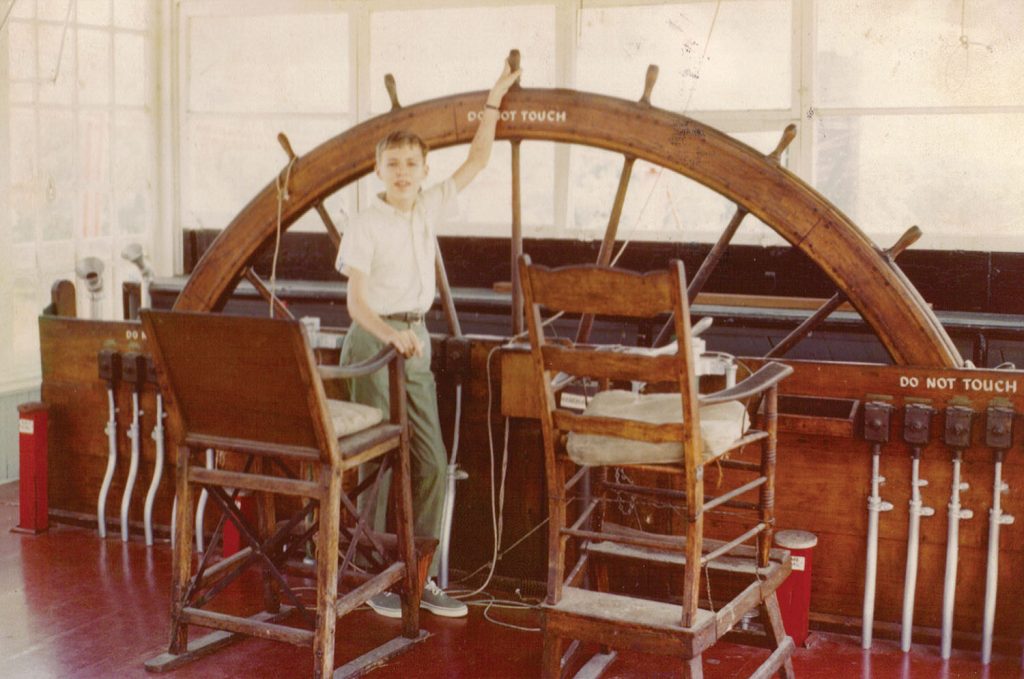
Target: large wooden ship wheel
864,275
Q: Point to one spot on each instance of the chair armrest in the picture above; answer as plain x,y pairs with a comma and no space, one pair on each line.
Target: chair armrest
767,376
371,365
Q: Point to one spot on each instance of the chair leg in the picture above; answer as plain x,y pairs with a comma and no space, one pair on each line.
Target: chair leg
551,660
184,528
693,668
327,571
691,571
772,616
401,494
556,521
767,493
267,522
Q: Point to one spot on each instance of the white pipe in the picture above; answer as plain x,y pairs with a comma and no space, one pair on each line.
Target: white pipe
956,515
108,476
158,468
996,519
133,466
96,306
453,474
875,505
201,507
917,510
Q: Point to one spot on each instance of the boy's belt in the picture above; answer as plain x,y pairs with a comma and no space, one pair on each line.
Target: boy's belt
405,317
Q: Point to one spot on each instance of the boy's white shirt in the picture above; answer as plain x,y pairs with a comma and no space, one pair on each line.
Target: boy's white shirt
396,250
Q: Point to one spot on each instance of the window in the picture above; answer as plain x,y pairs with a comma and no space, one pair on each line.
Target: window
82,168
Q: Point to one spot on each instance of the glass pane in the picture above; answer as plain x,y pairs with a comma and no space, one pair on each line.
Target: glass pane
24,210
24,9
133,13
23,146
54,10
134,150
133,211
22,50
280,63
132,71
57,173
660,204
94,173
227,161
958,176
419,48
23,93
746,64
134,174
56,64
877,53
25,304
93,12
93,67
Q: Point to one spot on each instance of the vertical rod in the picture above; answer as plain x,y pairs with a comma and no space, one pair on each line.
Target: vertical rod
158,469
956,514
517,241
996,519
913,545
133,465
875,506
108,475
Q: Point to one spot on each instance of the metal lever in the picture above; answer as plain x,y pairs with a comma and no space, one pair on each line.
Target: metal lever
917,419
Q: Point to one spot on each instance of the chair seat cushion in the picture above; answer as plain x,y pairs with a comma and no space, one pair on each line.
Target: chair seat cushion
720,425
348,417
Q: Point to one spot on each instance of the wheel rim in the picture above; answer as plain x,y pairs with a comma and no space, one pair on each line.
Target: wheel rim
877,288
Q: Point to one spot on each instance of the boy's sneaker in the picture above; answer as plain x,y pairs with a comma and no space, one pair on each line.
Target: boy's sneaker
387,604
437,602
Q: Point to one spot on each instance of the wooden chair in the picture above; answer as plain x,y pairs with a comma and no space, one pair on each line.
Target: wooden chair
250,388
668,439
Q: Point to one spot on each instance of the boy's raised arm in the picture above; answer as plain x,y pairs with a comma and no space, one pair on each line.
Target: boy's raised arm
480,148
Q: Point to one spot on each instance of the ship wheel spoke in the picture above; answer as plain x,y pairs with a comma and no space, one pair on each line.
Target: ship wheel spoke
280,310
714,256
811,322
325,217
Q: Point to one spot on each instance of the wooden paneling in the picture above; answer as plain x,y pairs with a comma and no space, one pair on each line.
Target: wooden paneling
77,399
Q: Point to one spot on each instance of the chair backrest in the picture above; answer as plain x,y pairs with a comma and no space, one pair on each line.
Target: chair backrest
240,383
604,291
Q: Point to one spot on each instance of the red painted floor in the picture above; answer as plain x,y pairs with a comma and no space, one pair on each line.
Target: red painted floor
73,605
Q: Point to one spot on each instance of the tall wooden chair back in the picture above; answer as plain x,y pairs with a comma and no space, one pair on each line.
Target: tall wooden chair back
218,371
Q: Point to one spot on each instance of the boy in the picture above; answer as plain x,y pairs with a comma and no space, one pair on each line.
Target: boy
387,254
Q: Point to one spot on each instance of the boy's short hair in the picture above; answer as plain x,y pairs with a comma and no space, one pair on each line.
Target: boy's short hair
401,138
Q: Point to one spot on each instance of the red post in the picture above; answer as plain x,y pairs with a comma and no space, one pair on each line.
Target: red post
33,501
795,593
231,538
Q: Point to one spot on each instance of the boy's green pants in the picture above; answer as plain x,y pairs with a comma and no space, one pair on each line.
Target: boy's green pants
428,456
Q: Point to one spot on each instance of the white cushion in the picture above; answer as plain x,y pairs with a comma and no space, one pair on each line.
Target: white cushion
348,417
720,425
